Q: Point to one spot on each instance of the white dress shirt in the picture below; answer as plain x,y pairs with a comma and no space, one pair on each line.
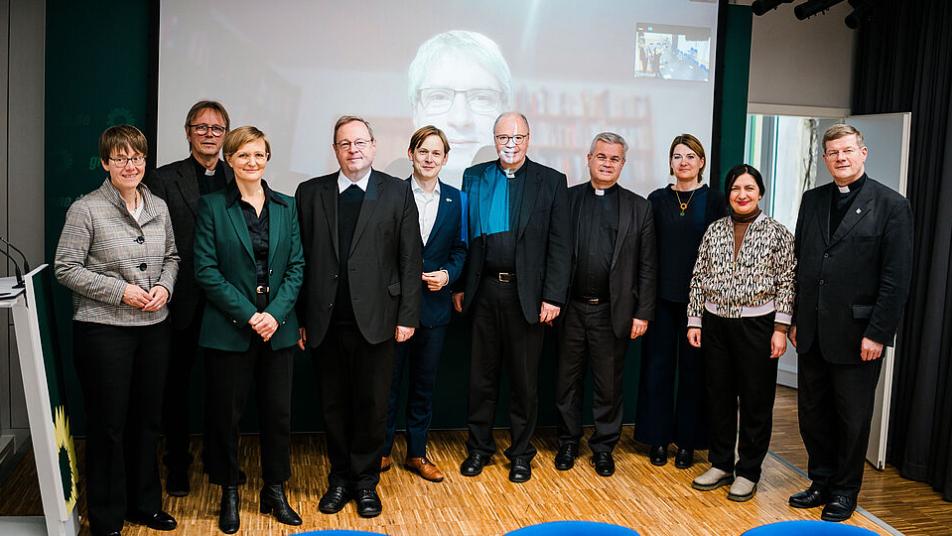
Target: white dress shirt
344,183
428,204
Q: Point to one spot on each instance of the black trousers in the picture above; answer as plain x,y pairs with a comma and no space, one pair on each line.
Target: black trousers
835,406
355,377
421,354
663,416
122,373
228,379
176,412
586,335
502,337
740,374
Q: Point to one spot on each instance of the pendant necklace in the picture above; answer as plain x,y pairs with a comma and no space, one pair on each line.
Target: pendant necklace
683,205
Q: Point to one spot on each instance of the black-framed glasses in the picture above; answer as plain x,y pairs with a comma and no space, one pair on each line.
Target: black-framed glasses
439,100
122,161
202,129
518,139
359,144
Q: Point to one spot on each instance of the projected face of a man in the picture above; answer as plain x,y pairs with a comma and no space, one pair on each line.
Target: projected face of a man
462,98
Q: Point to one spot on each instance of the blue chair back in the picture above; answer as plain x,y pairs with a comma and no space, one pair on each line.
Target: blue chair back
573,528
811,528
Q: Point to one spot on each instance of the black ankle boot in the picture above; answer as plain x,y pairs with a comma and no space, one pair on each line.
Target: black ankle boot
228,520
275,502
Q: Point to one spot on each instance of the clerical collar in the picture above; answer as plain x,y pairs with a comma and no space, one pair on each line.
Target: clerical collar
600,192
510,174
856,185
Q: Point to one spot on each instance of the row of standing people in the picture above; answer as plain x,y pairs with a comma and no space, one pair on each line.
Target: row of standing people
251,263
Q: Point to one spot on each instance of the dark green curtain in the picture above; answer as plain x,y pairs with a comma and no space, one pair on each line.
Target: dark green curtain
904,63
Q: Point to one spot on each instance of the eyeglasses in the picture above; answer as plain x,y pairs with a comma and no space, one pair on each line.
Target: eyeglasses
847,153
439,100
503,139
603,158
202,129
357,145
690,157
122,161
244,158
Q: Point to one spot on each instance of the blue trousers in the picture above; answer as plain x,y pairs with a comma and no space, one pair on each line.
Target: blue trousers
664,415
422,355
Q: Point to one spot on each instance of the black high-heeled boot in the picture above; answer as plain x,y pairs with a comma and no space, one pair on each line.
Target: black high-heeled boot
275,502
228,520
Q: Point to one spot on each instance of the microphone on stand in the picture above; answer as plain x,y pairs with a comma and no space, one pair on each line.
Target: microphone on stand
16,268
26,263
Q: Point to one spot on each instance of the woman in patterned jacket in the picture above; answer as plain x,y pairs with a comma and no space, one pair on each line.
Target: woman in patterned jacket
741,299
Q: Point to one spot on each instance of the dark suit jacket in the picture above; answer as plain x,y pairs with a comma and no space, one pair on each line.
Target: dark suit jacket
543,241
225,269
854,283
384,263
177,185
444,250
634,266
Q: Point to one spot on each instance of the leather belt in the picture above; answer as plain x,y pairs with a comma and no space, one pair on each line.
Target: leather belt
592,301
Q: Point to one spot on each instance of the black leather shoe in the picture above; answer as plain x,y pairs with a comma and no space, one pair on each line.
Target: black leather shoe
565,459
176,483
334,500
840,508
604,463
275,502
684,459
520,470
473,464
658,454
809,498
368,503
156,521
228,521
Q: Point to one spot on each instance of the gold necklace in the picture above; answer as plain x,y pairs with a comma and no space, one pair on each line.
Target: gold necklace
682,204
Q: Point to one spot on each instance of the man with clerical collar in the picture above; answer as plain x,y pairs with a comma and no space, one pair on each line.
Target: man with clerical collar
515,282
854,267
180,184
611,300
361,295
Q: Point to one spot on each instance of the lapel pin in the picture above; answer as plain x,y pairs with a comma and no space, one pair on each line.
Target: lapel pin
859,210
449,200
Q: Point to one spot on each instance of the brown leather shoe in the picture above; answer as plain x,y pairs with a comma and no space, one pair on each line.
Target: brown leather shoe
425,469
385,464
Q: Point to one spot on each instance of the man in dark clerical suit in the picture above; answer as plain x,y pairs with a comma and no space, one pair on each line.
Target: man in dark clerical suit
611,300
854,266
180,184
442,229
361,292
515,282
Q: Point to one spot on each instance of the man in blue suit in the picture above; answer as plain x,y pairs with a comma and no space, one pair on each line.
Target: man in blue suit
442,213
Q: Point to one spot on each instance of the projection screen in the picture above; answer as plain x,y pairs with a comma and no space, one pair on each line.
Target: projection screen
640,68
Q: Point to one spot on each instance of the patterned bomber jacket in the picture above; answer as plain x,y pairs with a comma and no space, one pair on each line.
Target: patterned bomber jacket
759,281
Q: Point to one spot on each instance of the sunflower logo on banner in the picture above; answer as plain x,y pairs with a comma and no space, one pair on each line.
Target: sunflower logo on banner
66,454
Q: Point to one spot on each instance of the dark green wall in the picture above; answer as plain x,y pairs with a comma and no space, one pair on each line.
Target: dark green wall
98,75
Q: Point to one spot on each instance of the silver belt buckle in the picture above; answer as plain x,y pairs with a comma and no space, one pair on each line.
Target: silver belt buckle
505,277
261,289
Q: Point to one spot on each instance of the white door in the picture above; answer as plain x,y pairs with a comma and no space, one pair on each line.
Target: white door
887,137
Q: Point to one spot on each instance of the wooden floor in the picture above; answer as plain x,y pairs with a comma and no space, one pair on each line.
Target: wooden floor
652,500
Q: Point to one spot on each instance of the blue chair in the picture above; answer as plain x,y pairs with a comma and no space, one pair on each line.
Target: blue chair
812,528
573,528
339,533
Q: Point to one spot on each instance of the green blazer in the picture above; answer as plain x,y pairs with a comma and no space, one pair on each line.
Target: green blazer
225,269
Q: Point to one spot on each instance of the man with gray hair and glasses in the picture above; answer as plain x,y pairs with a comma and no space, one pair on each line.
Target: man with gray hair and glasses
854,266
610,302
459,82
515,282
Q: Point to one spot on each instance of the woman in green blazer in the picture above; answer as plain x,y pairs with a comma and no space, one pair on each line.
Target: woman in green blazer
249,261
